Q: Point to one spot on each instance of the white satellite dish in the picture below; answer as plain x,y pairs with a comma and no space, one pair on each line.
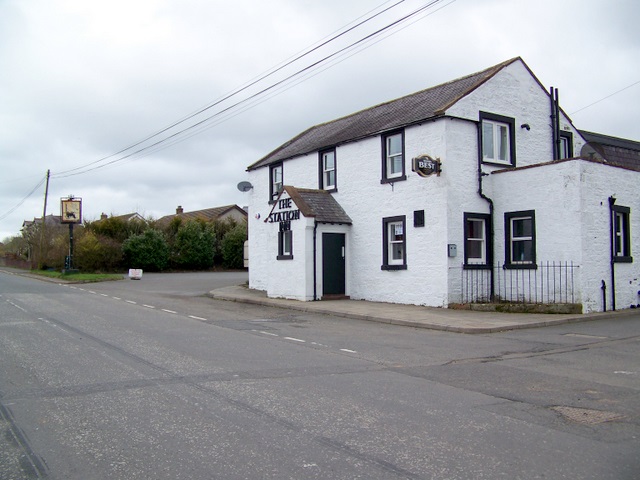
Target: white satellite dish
244,186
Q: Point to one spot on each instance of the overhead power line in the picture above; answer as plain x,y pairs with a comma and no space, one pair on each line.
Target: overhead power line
255,98
343,31
604,98
9,212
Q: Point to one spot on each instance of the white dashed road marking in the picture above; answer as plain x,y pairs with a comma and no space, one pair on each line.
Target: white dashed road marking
293,339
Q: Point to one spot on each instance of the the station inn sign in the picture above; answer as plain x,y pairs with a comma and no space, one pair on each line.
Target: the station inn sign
285,215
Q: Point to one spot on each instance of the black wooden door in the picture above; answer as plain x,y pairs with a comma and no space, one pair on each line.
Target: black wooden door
333,264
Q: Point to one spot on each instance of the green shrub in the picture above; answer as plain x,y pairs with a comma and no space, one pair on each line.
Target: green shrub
233,246
97,253
148,251
194,245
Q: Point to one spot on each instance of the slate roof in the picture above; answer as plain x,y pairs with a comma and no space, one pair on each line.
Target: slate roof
207,214
615,151
319,204
404,111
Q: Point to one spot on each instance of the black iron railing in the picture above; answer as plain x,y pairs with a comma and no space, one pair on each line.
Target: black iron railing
549,282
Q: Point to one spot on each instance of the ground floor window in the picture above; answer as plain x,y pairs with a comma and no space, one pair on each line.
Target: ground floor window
520,239
621,234
285,243
394,243
476,240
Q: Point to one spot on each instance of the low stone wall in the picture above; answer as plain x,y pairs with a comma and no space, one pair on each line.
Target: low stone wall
520,307
11,261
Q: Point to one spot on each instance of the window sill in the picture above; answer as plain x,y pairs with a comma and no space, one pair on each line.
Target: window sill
498,164
520,266
476,266
330,190
284,257
623,259
393,180
393,267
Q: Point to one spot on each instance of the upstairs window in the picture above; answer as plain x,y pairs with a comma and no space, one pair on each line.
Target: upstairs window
497,135
520,239
393,157
275,181
621,235
328,170
566,145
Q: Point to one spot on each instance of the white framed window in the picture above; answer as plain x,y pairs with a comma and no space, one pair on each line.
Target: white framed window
394,249
285,244
621,234
566,145
498,139
275,181
328,170
520,239
393,157
476,241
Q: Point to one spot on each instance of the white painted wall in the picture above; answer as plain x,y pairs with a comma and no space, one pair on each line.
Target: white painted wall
566,197
570,200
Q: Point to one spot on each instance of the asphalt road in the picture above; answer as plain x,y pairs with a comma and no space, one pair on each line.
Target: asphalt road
151,379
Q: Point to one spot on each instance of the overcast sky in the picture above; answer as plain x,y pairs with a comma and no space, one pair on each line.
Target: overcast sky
81,80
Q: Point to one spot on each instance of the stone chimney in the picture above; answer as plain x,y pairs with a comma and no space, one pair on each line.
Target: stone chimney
179,210
104,216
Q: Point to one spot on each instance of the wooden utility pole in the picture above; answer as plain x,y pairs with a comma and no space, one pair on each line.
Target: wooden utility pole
44,220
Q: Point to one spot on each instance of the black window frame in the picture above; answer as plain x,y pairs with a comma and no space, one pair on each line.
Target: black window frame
524,265
511,123
488,243
273,194
403,176
385,243
282,233
321,170
568,136
622,235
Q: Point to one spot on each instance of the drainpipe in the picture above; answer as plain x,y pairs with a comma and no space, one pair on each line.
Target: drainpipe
555,122
490,202
315,249
612,201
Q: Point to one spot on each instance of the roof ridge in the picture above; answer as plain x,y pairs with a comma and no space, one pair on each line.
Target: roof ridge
395,113
497,67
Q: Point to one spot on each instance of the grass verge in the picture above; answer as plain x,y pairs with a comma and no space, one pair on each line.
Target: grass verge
78,277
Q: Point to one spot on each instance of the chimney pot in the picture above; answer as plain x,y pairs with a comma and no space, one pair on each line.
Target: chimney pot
179,210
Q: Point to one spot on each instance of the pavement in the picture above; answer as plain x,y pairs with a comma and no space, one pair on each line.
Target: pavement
446,319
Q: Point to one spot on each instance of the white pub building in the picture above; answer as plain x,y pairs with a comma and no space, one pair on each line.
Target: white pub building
477,190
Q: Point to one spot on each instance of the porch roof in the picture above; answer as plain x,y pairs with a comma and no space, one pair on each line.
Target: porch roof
319,204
